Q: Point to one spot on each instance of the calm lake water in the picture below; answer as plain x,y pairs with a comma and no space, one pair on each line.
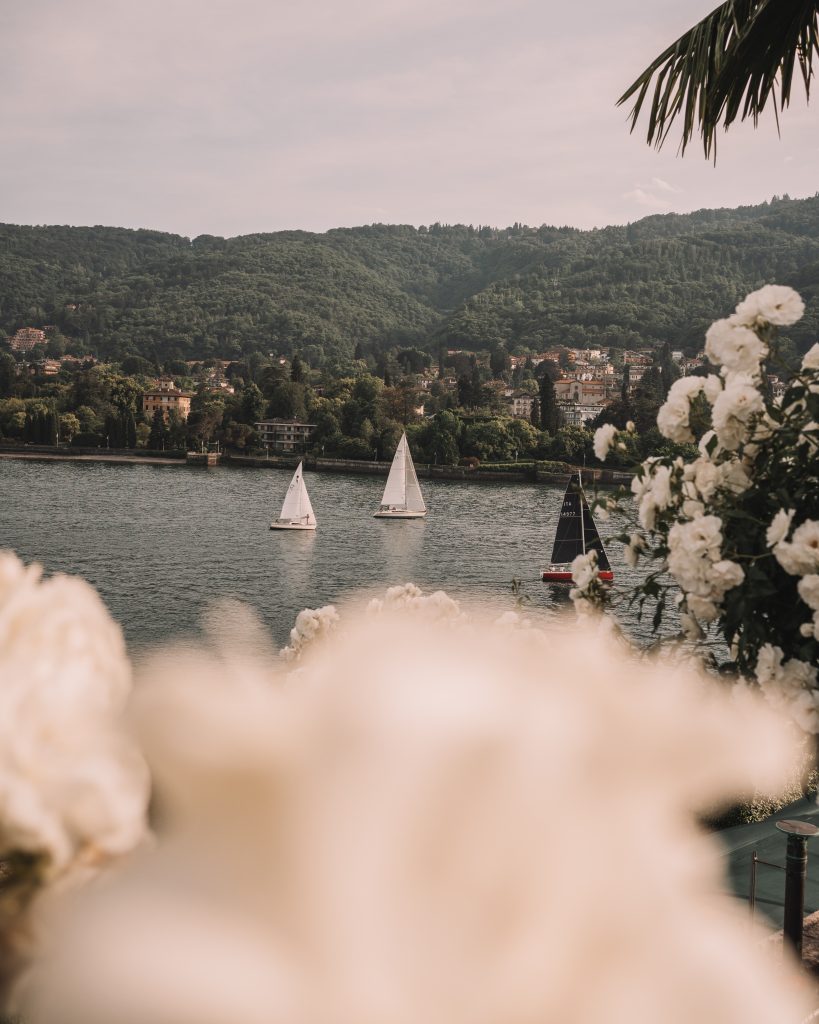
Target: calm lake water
162,542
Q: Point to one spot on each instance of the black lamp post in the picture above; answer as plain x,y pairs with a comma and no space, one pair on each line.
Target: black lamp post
796,870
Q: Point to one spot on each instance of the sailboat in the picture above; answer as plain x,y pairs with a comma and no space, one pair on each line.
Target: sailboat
402,496
297,512
576,534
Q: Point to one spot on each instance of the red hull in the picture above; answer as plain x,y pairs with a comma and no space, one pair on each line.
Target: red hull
566,577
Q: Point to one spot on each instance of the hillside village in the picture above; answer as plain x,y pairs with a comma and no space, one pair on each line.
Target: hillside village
464,406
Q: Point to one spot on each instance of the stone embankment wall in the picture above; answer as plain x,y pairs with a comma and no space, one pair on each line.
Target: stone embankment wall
531,472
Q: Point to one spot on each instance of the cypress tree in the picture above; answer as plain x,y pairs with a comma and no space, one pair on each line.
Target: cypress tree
297,370
129,430
534,416
159,432
625,388
52,428
549,413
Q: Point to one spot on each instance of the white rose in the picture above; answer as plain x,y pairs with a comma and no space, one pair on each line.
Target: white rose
734,409
632,550
800,556
691,627
603,439
768,663
811,360
780,524
584,570
691,508
705,610
736,347
727,575
808,588
772,304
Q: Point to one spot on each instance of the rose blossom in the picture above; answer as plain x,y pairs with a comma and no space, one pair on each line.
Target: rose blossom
775,304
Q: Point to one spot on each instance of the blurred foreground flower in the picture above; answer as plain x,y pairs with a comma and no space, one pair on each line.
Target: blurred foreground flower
73,788
433,817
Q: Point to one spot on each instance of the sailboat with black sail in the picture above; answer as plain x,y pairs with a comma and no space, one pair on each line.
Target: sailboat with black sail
576,534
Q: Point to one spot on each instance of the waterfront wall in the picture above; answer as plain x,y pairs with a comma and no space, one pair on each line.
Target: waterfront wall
530,472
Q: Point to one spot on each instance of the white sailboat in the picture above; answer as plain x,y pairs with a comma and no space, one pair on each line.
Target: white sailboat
297,512
402,496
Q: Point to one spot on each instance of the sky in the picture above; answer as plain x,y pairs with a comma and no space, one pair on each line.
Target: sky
227,117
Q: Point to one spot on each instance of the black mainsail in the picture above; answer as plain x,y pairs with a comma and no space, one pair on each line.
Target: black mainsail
576,532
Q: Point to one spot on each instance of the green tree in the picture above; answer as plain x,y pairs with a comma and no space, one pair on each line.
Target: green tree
126,394
499,361
288,402
158,437
8,374
205,416
129,429
549,412
297,370
69,426
252,404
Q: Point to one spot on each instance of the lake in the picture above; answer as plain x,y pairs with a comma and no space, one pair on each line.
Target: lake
162,542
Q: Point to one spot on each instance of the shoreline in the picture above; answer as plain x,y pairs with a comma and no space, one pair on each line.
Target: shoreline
534,472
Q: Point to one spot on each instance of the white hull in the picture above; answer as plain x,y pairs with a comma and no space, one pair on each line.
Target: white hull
398,514
291,526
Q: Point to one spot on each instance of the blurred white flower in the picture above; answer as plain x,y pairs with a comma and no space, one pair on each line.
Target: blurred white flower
705,610
632,550
690,627
311,624
653,492
811,358
391,852
789,684
71,783
603,439
584,570
774,304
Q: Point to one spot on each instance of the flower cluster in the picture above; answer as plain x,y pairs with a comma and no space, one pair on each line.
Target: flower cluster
731,528
73,788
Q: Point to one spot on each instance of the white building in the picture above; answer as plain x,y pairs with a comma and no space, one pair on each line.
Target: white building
284,435
520,405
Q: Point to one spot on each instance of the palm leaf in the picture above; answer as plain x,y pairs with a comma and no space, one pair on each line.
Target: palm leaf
730,65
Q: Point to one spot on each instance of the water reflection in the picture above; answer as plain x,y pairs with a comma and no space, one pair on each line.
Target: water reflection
161,543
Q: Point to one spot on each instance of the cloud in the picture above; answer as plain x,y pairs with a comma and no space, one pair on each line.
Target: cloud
647,199
663,186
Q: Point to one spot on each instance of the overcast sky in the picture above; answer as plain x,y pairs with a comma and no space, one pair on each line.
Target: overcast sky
197,116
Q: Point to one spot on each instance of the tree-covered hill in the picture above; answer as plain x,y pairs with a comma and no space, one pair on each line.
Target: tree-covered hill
665,278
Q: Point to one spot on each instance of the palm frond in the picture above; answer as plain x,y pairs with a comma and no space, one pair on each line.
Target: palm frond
729,65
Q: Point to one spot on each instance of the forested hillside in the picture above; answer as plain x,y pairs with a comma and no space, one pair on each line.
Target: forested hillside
117,292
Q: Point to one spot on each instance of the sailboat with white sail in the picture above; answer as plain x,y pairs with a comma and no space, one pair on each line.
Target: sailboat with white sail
297,512
402,496
576,534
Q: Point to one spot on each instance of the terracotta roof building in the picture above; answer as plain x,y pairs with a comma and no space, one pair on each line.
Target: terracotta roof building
166,396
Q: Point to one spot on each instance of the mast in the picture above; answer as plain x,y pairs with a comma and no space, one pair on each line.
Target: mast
582,509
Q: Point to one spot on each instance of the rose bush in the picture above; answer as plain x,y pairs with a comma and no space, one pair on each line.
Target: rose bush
731,537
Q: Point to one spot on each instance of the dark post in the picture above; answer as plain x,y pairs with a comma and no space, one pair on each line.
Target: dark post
796,869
